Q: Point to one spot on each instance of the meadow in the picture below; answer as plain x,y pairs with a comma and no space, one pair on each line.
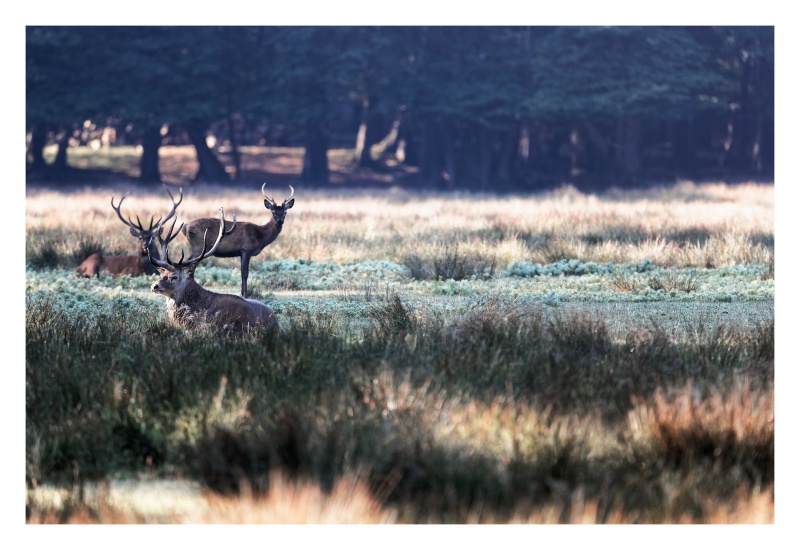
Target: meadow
459,358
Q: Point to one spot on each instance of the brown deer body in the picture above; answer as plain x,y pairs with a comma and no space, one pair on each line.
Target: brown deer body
191,304
117,266
188,303
246,240
135,264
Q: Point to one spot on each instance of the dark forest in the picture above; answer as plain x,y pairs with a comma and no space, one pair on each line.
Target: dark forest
479,108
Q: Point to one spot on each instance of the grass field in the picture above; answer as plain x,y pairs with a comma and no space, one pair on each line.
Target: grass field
557,358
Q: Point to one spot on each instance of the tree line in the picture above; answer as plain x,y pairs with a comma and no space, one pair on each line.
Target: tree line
465,107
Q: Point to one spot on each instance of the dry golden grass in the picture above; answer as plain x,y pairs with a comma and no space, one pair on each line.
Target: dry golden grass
288,502
738,427
747,507
711,225
696,459
350,502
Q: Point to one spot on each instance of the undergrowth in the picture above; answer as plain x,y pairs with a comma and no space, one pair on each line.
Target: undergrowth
416,408
437,360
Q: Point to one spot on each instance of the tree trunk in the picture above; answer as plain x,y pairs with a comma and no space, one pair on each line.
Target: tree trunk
767,145
524,147
742,134
391,141
237,161
755,161
429,154
449,177
509,157
597,148
369,133
360,147
683,146
60,163
210,169
315,160
630,139
38,141
576,161
485,143
148,164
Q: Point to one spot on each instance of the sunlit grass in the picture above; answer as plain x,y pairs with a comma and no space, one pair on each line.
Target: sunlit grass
693,226
440,358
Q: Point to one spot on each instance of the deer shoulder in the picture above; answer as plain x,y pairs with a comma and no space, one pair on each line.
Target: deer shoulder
189,303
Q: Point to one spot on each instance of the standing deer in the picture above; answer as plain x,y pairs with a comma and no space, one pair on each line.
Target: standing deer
133,265
189,303
247,240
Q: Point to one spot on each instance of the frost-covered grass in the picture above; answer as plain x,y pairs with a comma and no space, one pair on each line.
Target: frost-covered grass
566,280
559,358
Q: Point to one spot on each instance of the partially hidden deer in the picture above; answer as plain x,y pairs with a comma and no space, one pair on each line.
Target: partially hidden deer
246,240
136,264
189,304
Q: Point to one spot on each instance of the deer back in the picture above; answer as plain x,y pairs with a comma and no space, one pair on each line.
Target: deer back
237,313
247,237
117,266
91,266
192,303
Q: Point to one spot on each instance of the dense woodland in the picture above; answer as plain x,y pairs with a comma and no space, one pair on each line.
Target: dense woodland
446,107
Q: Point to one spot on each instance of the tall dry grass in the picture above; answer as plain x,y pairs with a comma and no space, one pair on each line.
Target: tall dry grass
710,225
677,459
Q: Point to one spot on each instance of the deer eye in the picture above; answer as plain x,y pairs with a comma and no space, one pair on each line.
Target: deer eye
173,278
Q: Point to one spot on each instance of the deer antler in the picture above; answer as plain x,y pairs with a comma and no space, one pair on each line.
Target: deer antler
174,205
265,193
222,233
273,200
127,222
165,262
153,225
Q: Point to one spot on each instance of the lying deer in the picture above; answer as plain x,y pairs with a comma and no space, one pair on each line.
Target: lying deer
247,240
134,265
188,303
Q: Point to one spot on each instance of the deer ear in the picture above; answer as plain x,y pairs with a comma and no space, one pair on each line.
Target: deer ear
268,204
190,270
134,232
289,204
163,271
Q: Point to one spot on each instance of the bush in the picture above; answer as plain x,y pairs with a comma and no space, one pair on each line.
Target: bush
448,263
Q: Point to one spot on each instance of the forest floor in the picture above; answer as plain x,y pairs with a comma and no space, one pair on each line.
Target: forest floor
280,166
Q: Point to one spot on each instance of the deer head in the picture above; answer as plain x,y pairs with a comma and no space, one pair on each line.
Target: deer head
278,211
174,275
145,236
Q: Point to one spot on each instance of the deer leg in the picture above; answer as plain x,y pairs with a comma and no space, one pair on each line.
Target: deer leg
245,271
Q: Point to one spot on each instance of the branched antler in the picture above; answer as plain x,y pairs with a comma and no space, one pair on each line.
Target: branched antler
166,263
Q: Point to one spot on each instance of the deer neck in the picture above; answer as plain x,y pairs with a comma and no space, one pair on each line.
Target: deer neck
194,296
270,232
147,267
